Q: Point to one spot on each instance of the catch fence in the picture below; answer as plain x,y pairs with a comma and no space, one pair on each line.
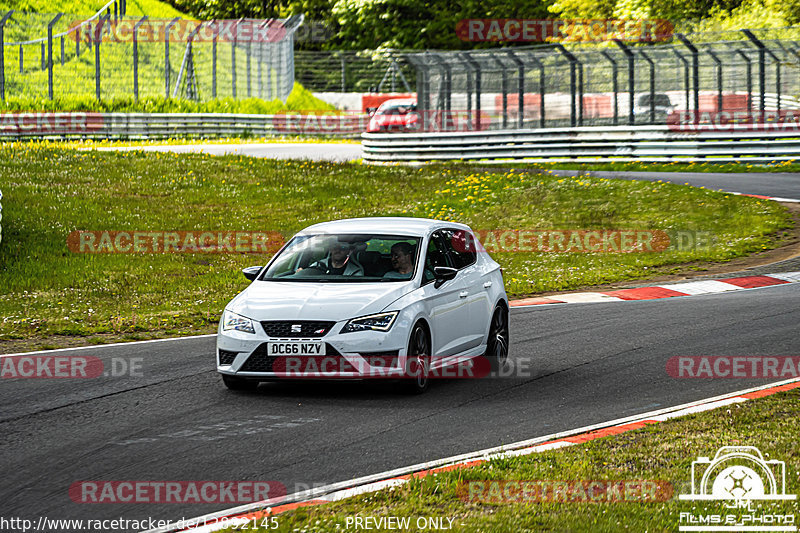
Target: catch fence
750,72
112,55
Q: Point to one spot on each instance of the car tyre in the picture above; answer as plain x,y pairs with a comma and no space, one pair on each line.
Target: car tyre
497,344
418,361
234,383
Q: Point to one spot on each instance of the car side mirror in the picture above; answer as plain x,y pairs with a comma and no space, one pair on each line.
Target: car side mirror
251,272
442,274
371,110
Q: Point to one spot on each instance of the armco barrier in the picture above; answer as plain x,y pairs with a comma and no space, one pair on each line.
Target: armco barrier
59,125
618,143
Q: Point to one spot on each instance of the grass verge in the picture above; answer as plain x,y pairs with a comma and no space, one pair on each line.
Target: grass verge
300,99
278,139
47,292
663,451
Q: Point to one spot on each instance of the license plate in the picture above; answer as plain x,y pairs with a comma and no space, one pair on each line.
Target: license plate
296,348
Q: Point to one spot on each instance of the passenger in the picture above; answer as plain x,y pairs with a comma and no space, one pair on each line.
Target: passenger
402,262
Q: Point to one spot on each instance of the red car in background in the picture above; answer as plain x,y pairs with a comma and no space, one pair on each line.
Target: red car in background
398,115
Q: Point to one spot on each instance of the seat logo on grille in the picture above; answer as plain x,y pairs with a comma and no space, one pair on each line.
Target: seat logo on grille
297,328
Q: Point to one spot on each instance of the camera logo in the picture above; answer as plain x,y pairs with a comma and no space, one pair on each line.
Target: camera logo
738,473
741,479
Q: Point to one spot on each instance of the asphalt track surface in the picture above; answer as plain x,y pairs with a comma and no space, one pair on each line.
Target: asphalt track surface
575,365
777,184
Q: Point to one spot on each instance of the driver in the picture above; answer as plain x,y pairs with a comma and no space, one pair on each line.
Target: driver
339,262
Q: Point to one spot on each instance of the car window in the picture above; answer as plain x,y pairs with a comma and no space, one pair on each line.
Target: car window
342,258
435,256
460,244
659,99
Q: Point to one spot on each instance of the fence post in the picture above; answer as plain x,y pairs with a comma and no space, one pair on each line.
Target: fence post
98,37
685,77
503,88
762,67
695,74
520,87
233,56
344,72
542,90
477,67
21,63
423,94
260,59
214,59
631,80
136,57
248,54
167,67
62,50
3,54
651,87
50,54
444,92
718,65
573,62
469,69
614,83
762,75
748,77
580,91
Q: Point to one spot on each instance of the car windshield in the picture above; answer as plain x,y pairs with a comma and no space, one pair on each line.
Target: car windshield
346,258
661,100
398,109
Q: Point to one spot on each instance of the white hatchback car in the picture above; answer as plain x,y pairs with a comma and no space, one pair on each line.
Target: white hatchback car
369,297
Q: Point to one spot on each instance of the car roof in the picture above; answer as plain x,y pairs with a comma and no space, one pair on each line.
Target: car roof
416,227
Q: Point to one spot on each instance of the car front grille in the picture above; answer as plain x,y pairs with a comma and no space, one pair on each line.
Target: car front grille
297,328
226,357
261,361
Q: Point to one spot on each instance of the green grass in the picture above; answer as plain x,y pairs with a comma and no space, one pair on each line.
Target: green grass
300,99
49,191
662,451
783,166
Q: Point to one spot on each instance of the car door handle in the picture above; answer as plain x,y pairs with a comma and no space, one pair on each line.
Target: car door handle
463,294
487,284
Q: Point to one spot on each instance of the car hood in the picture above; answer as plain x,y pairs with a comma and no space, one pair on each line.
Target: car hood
275,300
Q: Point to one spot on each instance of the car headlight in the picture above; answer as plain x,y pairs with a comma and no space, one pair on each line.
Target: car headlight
379,322
237,322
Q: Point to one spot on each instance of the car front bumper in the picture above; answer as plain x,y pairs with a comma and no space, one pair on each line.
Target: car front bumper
356,355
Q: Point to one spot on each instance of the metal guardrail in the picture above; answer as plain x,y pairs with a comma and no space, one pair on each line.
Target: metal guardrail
589,144
60,125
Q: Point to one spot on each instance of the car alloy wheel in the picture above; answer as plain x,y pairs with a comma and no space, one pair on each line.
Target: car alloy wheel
418,361
497,347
